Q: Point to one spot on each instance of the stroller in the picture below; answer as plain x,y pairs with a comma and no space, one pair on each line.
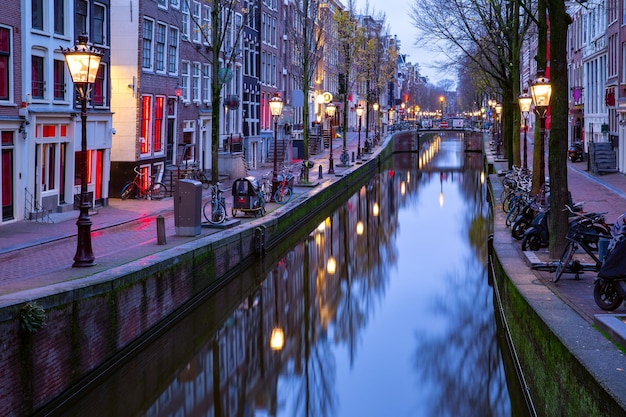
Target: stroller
610,286
247,197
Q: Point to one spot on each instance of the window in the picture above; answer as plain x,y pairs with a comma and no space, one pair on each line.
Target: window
196,18
160,47
158,123
80,17
175,3
196,82
206,24
99,87
172,54
146,104
185,23
37,14
5,63
206,82
59,79
59,17
162,3
98,35
146,61
184,75
37,77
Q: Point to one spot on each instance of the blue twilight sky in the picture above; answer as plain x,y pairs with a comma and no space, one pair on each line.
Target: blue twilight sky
400,23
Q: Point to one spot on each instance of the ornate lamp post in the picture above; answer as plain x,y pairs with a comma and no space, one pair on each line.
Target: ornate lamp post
83,62
525,100
330,111
541,90
376,108
498,109
442,99
276,108
359,112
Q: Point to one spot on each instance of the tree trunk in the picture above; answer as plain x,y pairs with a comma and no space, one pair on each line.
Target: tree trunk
557,142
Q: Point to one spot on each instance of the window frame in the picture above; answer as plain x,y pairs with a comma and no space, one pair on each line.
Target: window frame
8,57
147,45
42,79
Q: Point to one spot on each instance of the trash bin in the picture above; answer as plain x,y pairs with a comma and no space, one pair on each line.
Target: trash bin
188,208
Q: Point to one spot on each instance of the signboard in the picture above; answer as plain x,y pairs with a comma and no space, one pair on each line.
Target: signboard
443,124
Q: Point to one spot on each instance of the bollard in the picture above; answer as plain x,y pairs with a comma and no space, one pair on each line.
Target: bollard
352,156
319,175
160,222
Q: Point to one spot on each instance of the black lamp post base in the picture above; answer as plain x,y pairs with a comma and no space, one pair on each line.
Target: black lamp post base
331,165
84,255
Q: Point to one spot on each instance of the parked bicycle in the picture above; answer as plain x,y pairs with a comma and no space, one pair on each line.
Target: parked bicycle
584,232
195,173
284,188
141,187
266,186
216,205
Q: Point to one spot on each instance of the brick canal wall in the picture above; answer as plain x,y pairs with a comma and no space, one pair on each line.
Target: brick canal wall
92,319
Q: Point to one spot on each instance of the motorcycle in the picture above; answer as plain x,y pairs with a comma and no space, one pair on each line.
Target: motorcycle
609,289
575,152
537,235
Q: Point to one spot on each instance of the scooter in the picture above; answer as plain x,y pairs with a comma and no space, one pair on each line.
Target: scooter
575,152
609,290
536,236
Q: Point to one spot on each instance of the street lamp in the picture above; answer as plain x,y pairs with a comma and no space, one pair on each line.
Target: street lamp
525,100
376,108
541,90
330,111
276,108
359,112
441,101
498,108
83,62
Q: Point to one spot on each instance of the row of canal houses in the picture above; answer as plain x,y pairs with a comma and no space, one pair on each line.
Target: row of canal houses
150,106
596,54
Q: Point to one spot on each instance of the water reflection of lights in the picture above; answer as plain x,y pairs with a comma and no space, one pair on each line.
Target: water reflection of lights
277,340
359,228
402,188
441,190
331,263
375,210
482,177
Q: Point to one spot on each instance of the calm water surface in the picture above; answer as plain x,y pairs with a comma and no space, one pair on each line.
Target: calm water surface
385,309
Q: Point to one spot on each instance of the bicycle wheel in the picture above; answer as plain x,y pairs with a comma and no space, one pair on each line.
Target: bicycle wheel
514,210
127,190
214,213
284,196
506,203
566,258
159,191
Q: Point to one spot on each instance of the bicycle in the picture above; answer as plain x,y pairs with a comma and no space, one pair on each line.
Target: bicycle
284,189
266,186
217,204
195,173
584,232
141,188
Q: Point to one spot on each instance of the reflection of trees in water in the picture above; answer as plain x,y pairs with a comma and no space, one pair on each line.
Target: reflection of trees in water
463,363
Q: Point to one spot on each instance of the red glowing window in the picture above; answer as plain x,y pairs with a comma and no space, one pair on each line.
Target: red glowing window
146,104
158,123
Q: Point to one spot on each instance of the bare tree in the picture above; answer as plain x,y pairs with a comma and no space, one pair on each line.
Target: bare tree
307,34
351,39
489,34
220,37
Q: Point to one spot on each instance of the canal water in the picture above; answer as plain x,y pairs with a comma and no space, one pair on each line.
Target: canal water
383,309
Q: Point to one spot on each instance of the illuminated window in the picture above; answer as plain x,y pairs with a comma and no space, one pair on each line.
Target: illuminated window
146,104
158,123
